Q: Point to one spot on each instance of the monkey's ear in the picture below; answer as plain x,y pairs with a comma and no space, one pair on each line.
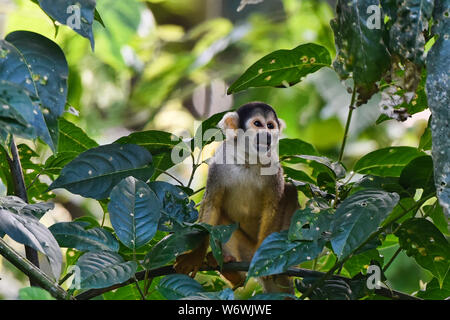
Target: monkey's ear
282,125
229,121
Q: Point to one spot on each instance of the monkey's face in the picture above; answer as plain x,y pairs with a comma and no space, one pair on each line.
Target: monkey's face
255,128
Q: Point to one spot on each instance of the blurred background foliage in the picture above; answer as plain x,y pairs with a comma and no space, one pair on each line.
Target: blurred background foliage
165,64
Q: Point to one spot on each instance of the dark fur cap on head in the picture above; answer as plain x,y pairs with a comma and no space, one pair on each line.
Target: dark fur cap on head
248,109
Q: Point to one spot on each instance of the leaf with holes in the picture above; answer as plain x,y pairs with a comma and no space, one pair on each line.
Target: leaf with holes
283,67
103,269
75,235
358,217
177,286
49,72
429,247
95,172
387,162
176,205
134,211
276,254
26,229
361,52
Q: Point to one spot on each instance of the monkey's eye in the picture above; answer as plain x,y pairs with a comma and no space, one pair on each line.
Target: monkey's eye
257,123
270,125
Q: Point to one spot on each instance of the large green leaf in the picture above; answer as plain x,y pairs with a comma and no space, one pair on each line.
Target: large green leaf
418,174
423,241
134,212
61,12
75,235
358,217
407,32
155,141
176,205
437,86
27,229
49,71
283,67
171,246
361,52
95,172
103,269
276,254
436,213
72,138
177,286
290,147
308,225
387,162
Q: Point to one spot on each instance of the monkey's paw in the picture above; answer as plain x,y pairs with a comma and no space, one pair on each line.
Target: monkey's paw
188,263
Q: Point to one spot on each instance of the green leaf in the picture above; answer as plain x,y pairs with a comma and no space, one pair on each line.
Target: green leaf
72,138
95,172
434,291
297,175
399,211
437,86
74,235
359,262
62,13
56,162
171,246
358,217
27,230
418,174
208,132
425,139
49,72
386,162
218,235
176,205
290,147
103,269
34,293
155,141
406,34
17,205
283,67
436,213
276,254
423,241
23,117
361,52
134,212
177,286
308,225
319,164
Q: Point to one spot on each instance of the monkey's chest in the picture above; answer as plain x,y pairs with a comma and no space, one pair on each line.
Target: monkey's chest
244,197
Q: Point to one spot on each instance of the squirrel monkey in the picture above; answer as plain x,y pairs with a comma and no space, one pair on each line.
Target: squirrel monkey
245,184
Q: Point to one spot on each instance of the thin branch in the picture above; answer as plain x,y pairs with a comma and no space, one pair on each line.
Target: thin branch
20,191
33,272
170,175
351,107
392,259
237,266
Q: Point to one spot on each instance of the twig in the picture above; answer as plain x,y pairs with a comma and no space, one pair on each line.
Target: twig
392,259
347,124
20,191
237,266
33,272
